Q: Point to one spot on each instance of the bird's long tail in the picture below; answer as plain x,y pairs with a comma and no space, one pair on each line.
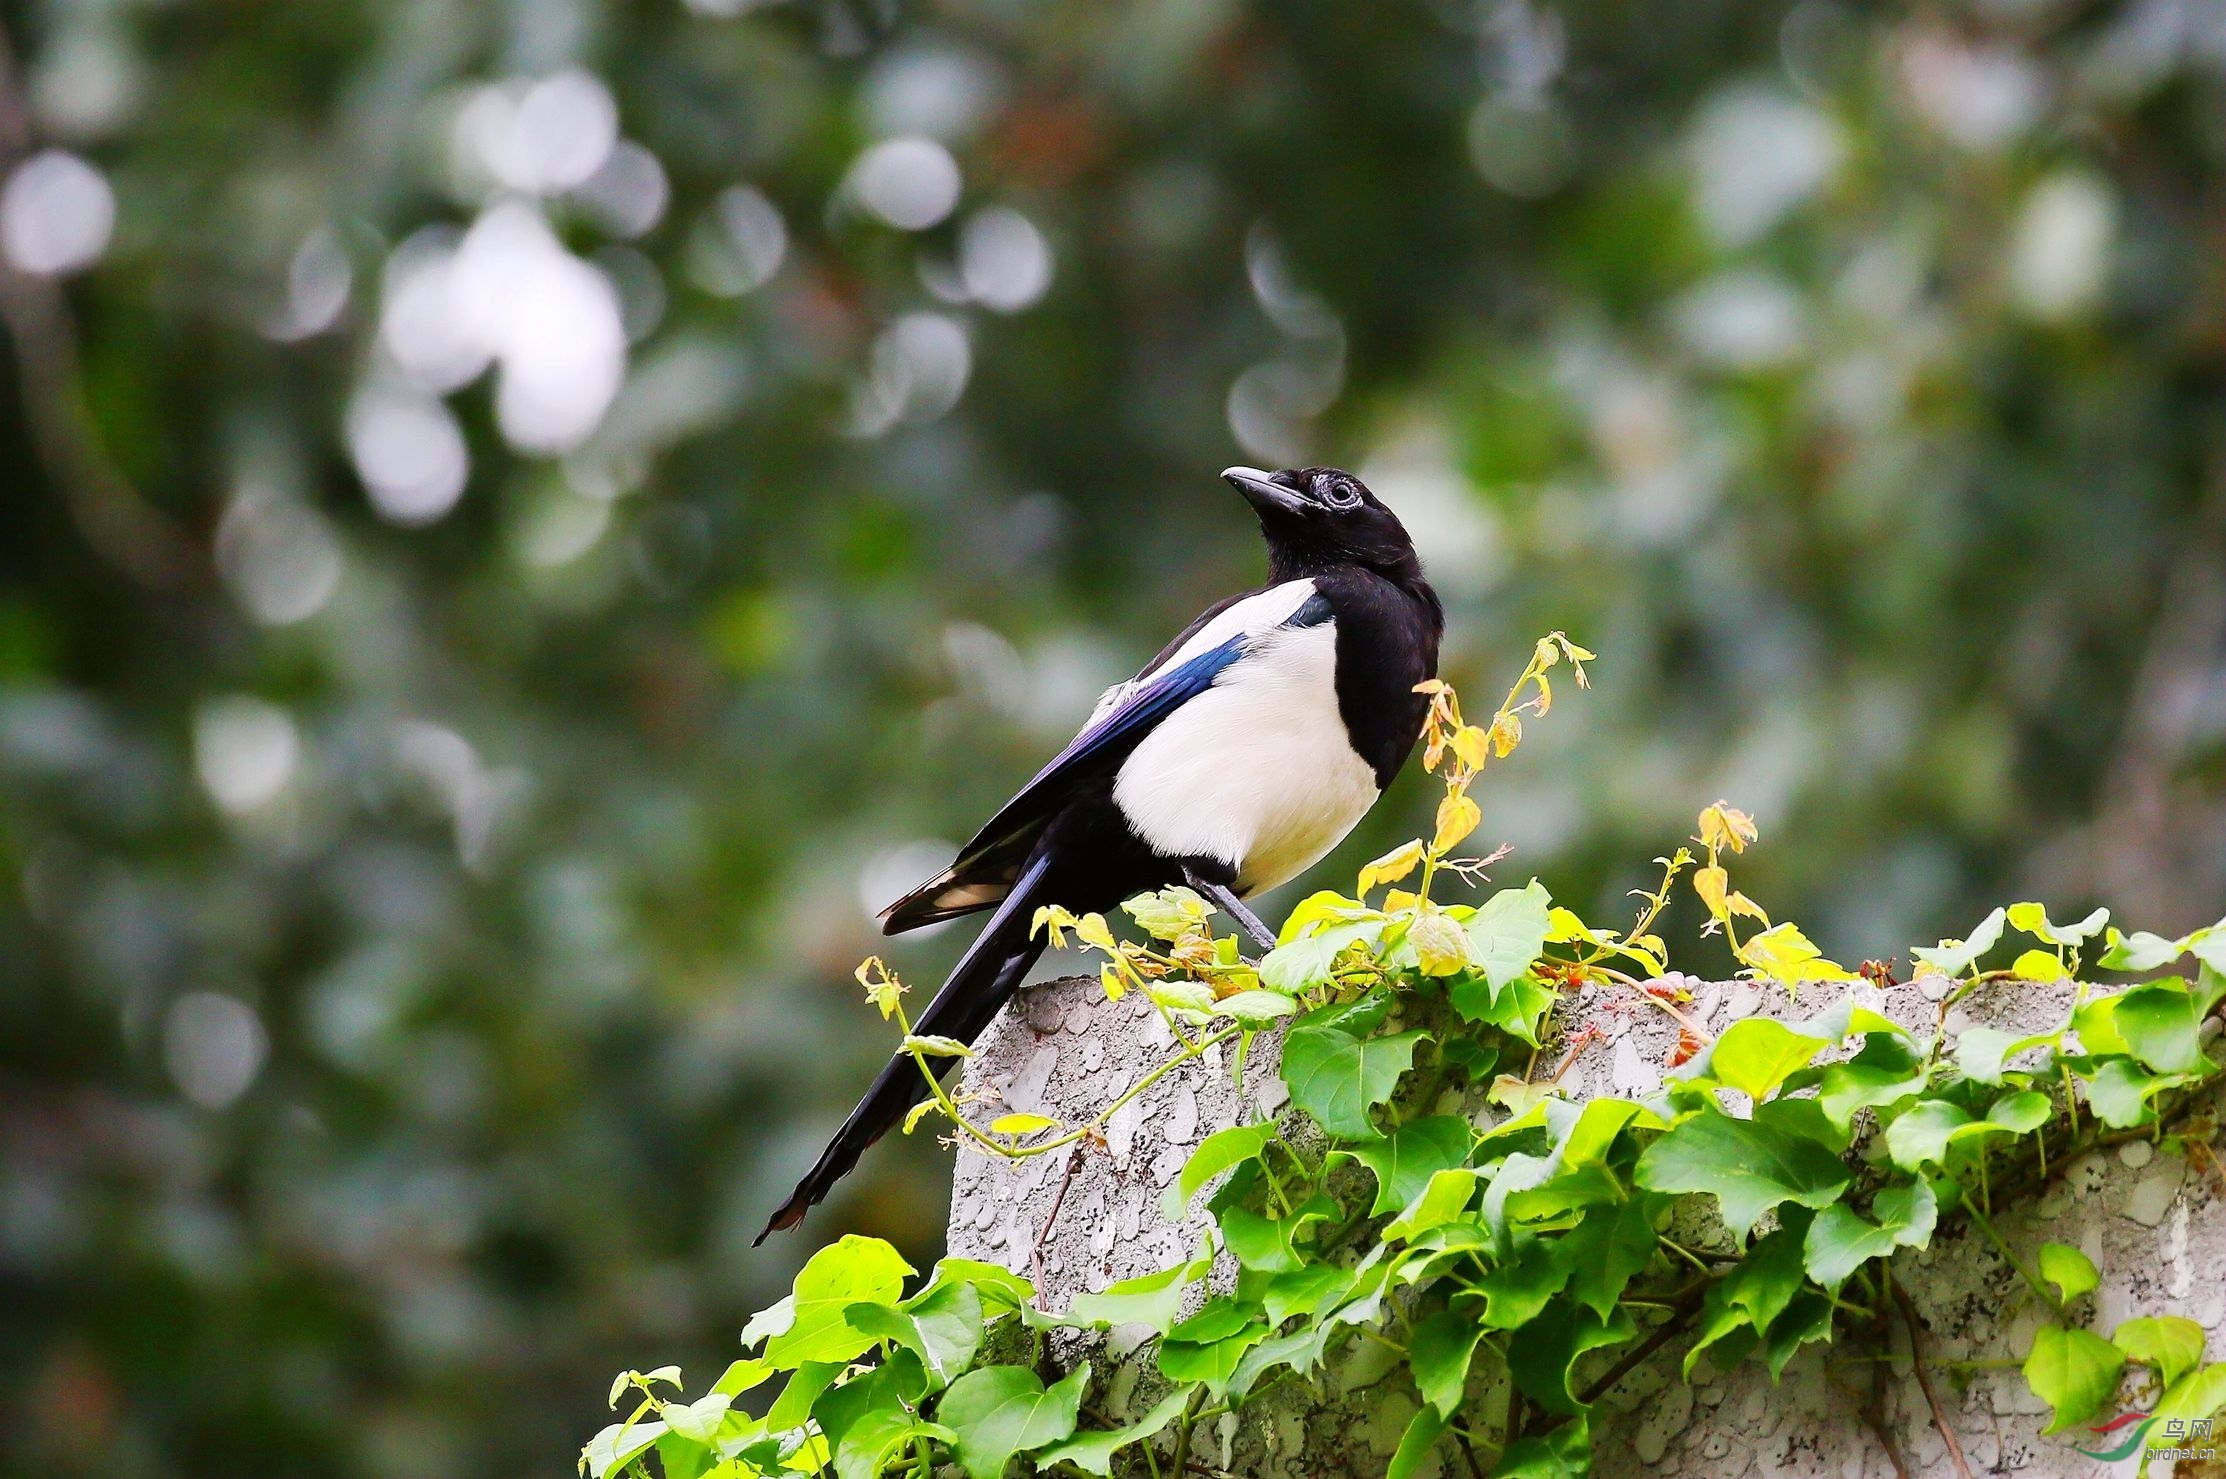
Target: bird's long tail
984,979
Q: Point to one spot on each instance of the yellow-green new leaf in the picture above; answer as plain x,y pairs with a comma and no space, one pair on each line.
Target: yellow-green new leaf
2071,1271
998,1411
852,1270
2173,1344
1392,866
2195,1396
2074,1372
1757,1054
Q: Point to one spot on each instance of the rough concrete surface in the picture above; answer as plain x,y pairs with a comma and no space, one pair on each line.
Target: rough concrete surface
2155,1228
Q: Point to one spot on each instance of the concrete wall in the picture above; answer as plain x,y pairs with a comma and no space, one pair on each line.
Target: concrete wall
2155,1227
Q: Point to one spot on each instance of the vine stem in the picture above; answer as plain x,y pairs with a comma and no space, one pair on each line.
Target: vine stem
1182,1434
1688,1305
1050,1218
2002,1247
1699,1032
1874,1406
1924,1376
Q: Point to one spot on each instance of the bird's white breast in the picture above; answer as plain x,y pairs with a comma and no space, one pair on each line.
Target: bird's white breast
1257,770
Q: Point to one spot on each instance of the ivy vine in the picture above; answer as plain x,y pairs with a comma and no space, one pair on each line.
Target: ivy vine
1516,1258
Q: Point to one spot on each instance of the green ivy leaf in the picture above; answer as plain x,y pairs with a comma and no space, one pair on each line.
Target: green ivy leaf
1758,1288
2143,952
1406,1159
683,1458
1540,1354
1748,1167
2119,1093
1211,1363
1168,914
1337,1078
999,1287
932,1046
2074,1372
1841,1241
867,1420
1583,1138
1299,966
1217,1319
1092,1453
801,1394
1516,1009
1849,1088
1609,1249
1301,1350
743,1375
1517,1288
2071,1271
1303,1291
1255,1006
2159,1025
1215,1154
1508,932
618,1445
1756,1053
2033,919
1422,1434
2096,1022
1564,1453
1438,1353
1269,1245
1954,957
1807,1318
851,1270
1443,1198
2020,1113
945,1328
774,1319
1922,1135
1150,1300
1981,1051
2173,1344
1472,1058
2196,1395
1886,1071
999,1411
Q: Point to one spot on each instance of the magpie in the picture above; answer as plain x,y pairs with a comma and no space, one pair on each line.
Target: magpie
1233,762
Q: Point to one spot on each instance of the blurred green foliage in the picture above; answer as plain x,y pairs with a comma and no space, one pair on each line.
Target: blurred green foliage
442,810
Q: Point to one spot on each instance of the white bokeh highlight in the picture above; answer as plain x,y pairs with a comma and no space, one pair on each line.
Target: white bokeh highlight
2059,256
911,183
1003,260
509,294
409,452
57,214
214,1046
245,752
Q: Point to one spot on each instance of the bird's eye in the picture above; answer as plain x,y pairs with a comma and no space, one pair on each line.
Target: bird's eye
1342,495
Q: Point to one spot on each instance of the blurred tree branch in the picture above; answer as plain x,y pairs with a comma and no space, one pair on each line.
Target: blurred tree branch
116,521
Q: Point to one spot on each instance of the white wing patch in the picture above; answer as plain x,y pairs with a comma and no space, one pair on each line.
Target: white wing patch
1260,612
1257,770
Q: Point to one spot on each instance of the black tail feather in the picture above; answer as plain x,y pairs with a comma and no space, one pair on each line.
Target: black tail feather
984,979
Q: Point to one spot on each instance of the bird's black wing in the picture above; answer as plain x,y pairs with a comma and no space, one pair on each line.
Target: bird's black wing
988,864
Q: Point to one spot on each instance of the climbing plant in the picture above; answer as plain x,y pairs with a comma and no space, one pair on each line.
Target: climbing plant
1518,1255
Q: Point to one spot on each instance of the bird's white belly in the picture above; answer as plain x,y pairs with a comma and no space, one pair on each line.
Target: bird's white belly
1257,770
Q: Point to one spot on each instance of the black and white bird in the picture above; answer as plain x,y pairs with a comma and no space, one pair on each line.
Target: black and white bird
1233,762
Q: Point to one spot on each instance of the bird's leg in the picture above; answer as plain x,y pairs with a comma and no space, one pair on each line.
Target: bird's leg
1233,906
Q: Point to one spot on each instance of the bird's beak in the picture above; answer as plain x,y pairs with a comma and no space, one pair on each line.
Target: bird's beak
1262,491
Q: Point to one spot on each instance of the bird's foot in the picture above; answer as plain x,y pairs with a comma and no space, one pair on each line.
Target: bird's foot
1233,906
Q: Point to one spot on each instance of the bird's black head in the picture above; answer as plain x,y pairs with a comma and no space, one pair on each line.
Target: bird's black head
1316,517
